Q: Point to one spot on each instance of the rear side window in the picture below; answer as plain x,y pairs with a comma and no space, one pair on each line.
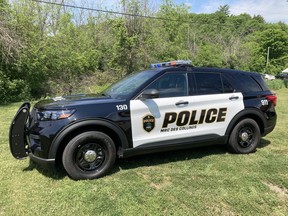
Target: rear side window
208,83
246,82
261,81
249,84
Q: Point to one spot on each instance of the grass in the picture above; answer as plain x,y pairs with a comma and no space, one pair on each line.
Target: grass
201,181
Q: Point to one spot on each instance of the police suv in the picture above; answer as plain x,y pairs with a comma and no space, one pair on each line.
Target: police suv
171,106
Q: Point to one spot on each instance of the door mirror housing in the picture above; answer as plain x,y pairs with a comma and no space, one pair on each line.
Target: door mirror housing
149,94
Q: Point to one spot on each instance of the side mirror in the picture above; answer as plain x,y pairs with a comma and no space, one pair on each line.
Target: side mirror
149,94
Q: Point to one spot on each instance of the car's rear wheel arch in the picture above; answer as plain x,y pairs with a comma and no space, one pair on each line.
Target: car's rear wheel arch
254,114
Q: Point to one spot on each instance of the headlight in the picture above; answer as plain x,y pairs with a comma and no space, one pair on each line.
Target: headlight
54,114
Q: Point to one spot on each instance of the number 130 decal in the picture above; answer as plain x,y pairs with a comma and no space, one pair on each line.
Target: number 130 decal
122,107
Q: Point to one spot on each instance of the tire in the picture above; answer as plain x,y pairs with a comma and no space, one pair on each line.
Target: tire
245,137
89,155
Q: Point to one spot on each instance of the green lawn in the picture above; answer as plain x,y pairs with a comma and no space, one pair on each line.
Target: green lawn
202,181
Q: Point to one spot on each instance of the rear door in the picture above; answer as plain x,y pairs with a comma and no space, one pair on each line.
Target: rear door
189,106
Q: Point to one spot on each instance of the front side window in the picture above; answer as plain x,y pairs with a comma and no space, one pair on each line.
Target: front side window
170,85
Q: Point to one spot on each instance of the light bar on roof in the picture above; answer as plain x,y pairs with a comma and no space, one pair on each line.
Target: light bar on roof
170,63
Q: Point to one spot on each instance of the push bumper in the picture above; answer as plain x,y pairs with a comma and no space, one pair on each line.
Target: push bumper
17,134
19,146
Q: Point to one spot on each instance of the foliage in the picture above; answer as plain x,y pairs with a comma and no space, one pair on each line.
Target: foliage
277,84
12,90
48,49
273,41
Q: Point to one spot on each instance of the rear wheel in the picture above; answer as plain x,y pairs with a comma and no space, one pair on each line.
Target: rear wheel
89,155
245,137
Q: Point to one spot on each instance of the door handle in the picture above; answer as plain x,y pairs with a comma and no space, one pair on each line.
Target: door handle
233,98
182,103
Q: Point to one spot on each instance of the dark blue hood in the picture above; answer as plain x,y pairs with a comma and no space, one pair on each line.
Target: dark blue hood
72,101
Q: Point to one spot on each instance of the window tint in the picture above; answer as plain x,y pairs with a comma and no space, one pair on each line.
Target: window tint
261,82
171,85
244,82
227,87
248,84
208,83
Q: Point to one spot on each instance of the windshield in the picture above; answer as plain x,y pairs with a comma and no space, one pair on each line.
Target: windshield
128,85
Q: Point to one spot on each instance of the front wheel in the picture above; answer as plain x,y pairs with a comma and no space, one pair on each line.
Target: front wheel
89,155
245,137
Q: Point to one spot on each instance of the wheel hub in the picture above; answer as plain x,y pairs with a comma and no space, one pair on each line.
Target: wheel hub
90,156
244,136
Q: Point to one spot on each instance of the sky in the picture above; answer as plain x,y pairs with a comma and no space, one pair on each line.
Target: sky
272,10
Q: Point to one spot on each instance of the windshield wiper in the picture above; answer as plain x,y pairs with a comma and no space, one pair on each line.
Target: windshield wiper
106,95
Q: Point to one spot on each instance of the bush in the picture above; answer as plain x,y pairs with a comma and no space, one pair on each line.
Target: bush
89,83
12,90
277,84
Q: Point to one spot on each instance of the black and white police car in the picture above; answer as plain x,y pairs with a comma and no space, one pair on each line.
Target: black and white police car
171,106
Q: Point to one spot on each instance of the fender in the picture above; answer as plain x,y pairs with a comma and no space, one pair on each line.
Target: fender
246,112
84,123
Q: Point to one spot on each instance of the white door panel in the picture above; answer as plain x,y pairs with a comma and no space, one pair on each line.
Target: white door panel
160,119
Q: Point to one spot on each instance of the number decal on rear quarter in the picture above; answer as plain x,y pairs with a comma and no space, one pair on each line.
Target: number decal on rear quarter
264,102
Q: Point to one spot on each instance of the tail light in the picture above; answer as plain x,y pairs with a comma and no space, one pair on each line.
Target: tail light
272,98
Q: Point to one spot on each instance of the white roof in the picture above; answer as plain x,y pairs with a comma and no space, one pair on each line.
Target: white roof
285,71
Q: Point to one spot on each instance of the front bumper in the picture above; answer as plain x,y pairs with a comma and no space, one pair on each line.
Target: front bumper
42,161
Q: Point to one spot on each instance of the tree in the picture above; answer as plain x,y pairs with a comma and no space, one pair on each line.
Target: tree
174,32
275,39
50,49
10,43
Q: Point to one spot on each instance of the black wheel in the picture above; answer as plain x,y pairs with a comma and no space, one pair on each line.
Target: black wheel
245,137
89,155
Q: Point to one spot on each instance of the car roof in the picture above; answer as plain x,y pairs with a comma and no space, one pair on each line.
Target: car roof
201,69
